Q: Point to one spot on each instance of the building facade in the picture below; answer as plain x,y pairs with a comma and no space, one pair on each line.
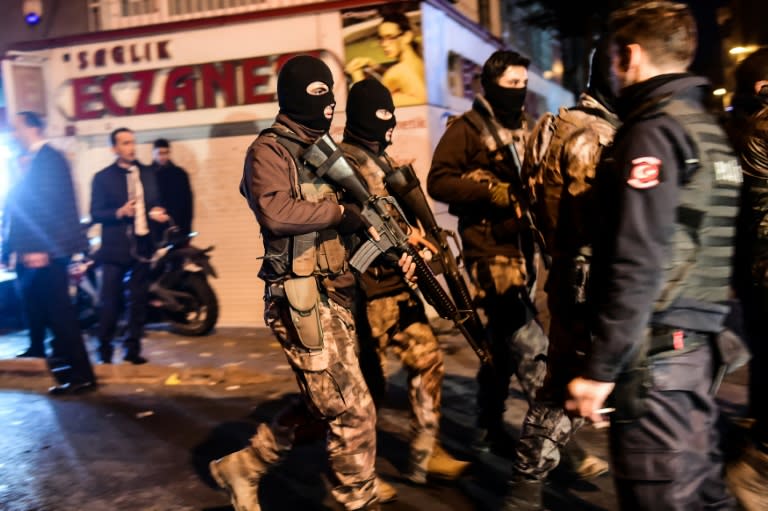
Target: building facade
203,73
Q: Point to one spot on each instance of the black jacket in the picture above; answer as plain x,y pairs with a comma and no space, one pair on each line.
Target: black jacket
42,211
175,194
485,230
636,189
109,192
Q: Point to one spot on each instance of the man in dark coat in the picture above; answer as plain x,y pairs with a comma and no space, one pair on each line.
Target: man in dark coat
124,200
668,190
44,232
173,186
748,476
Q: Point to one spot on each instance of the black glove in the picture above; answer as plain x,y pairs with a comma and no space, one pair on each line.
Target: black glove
351,221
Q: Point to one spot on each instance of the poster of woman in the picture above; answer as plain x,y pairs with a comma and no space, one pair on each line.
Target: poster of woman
384,43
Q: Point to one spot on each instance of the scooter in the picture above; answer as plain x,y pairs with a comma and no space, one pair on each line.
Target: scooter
179,292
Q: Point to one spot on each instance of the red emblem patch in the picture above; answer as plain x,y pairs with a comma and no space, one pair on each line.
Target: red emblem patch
644,173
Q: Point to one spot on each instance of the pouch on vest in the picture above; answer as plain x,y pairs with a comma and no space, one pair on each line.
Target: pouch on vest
304,257
303,297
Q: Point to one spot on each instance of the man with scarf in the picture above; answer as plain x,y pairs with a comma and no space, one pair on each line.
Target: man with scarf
309,290
748,477
394,312
668,193
470,174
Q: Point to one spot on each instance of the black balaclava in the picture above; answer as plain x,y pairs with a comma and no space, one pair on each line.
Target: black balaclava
507,103
365,98
292,95
599,86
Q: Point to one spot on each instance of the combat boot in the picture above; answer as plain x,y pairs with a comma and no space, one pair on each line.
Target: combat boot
524,495
239,474
747,479
592,467
385,491
440,464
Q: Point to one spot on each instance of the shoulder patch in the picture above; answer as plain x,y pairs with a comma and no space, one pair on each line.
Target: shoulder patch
644,173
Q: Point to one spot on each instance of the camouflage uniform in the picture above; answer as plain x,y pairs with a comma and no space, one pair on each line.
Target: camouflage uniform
560,165
334,390
309,292
397,320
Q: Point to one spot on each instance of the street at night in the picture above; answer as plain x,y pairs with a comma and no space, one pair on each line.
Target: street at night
143,440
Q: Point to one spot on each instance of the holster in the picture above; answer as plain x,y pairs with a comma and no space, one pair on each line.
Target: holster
303,298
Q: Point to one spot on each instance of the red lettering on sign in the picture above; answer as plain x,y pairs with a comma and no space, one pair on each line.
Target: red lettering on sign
100,58
110,105
82,57
117,55
219,78
252,81
239,82
162,50
135,58
180,86
85,98
146,79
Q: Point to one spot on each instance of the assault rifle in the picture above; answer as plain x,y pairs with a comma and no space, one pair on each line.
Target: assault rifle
403,183
385,215
511,169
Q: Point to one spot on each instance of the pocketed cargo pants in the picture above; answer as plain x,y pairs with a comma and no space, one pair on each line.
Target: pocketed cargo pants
547,428
668,458
334,392
399,322
518,345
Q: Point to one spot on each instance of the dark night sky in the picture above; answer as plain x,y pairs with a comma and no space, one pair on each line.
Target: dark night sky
754,20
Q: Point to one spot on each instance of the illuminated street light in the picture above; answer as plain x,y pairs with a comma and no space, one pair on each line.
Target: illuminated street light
742,50
719,92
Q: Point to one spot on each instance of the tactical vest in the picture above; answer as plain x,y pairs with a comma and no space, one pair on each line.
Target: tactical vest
380,279
315,253
548,178
369,170
700,258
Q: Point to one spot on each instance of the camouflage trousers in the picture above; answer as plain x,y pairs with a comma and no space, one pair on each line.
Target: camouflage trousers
547,428
334,392
399,322
518,344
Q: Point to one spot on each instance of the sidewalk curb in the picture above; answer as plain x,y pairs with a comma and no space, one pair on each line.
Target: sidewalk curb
146,373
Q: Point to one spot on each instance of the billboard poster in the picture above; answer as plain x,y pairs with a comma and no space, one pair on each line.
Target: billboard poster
29,86
384,42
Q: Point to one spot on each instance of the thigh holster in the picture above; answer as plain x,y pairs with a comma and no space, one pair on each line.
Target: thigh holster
303,296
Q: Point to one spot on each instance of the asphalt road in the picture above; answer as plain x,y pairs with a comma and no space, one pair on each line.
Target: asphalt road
141,443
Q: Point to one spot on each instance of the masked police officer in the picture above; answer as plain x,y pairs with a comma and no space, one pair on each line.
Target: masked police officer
471,172
394,312
560,161
308,295
661,269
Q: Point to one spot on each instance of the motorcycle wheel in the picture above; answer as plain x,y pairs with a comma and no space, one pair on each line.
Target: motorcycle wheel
201,313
